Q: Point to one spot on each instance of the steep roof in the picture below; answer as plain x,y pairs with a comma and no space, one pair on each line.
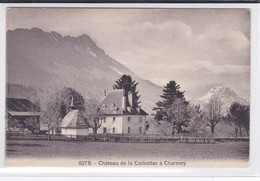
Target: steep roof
112,104
21,107
73,120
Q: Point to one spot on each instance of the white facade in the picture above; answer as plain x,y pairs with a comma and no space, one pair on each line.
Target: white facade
73,132
123,124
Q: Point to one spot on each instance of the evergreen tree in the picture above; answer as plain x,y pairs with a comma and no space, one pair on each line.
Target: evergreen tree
173,108
171,93
136,97
125,82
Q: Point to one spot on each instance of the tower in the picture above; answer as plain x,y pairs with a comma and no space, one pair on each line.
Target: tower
72,107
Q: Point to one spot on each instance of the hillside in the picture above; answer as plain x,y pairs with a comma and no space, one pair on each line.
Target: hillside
48,60
39,61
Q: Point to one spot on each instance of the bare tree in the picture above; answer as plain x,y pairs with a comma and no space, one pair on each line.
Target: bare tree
178,115
58,105
93,117
214,113
197,122
52,114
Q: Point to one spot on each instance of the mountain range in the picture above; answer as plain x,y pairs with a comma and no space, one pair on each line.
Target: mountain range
48,60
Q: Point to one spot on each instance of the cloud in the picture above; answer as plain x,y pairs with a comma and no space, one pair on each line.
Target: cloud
214,68
229,40
196,47
169,29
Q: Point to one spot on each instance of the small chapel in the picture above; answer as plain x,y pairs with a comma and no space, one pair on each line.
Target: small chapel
73,124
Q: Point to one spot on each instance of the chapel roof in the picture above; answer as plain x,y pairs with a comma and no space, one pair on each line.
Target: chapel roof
73,119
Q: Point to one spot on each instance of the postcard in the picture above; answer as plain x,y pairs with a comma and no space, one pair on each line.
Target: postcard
128,87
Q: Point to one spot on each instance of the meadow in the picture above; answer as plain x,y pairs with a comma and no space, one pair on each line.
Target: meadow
112,150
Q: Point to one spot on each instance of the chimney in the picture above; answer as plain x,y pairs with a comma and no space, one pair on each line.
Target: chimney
131,100
123,101
105,92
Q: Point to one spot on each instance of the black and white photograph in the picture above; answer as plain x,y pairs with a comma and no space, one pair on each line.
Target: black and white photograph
128,87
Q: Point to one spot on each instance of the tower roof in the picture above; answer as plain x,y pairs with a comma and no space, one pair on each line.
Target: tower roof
72,103
73,120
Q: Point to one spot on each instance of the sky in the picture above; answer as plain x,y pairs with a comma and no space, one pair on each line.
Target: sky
198,48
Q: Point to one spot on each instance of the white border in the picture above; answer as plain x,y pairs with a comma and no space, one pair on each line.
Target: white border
253,170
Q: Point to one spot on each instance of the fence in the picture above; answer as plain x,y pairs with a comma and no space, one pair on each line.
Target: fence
113,138
224,139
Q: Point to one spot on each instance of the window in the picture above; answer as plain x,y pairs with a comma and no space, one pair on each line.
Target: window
128,119
113,105
114,130
140,129
140,119
129,130
104,130
114,119
104,120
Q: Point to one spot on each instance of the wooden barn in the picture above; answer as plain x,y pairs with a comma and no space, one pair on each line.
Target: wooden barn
22,116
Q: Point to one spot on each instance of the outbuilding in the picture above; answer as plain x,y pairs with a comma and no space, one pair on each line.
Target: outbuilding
73,124
22,116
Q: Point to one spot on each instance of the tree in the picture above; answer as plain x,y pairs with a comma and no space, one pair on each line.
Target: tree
136,98
197,121
233,117
246,119
125,82
178,115
93,117
171,93
67,94
58,105
238,117
173,108
214,113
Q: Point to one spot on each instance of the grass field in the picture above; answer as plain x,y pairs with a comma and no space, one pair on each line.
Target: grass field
111,150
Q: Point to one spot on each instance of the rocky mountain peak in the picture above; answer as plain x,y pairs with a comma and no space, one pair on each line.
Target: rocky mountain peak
36,29
221,91
225,94
85,37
